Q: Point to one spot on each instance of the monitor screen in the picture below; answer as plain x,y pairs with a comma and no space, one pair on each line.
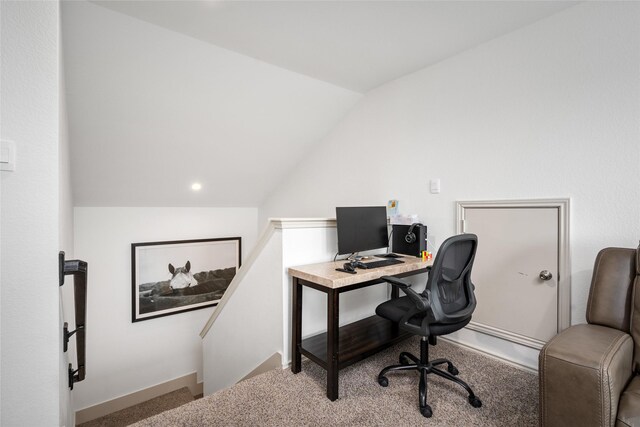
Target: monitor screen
361,228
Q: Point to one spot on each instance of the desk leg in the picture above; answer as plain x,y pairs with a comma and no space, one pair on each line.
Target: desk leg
333,326
296,327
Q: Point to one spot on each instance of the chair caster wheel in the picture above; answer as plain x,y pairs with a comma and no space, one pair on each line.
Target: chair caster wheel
452,370
426,411
383,381
475,402
403,360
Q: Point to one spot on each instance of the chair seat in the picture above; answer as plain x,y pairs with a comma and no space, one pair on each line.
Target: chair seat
396,309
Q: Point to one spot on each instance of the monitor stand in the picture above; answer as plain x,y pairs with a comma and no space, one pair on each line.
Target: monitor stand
389,255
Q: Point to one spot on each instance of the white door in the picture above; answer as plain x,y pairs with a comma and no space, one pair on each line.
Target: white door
517,268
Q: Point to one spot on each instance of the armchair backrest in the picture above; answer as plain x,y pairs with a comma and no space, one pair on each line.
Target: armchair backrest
449,286
609,301
635,314
614,296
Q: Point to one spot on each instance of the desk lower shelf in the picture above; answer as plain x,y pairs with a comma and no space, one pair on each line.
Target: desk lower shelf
357,341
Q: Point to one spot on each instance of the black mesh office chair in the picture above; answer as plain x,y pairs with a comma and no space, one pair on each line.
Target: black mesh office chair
444,306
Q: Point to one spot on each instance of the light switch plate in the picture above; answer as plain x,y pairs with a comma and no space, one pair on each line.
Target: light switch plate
7,155
435,186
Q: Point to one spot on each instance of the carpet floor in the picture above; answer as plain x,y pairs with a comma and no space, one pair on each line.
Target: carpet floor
280,398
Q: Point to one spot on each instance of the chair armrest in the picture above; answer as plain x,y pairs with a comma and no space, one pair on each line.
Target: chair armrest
583,370
421,302
396,282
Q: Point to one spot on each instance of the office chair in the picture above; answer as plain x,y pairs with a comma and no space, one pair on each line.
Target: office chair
445,306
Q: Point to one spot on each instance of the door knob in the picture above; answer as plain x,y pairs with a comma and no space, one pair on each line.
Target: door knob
545,275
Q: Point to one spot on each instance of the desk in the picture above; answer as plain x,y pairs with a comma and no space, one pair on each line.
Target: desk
341,347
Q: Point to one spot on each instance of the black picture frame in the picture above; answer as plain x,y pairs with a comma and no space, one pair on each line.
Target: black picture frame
177,276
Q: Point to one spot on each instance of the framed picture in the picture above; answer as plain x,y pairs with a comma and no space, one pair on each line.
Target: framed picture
178,276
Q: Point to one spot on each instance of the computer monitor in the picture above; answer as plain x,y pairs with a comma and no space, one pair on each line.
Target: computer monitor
361,228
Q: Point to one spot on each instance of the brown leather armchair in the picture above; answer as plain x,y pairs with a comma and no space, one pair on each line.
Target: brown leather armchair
589,373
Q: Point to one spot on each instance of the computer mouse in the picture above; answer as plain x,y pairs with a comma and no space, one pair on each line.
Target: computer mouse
348,267
360,264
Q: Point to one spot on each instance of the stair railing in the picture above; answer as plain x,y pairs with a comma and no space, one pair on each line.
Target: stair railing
77,269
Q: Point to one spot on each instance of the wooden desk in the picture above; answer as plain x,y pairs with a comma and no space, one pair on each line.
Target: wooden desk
341,347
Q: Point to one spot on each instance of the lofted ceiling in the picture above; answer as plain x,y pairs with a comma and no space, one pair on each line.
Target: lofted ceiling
357,45
162,94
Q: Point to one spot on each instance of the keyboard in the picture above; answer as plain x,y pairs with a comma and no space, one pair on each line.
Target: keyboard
381,263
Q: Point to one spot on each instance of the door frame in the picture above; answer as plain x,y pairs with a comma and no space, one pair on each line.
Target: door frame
564,265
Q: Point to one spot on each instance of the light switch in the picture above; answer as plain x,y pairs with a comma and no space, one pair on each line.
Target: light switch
435,186
7,155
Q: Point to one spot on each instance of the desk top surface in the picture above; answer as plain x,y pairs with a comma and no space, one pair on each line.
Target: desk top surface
325,273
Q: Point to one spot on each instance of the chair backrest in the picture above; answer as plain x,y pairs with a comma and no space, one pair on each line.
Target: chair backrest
614,296
449,286
609,301
635,314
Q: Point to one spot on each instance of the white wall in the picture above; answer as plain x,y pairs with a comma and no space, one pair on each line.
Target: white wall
124,357
548,111
65,203
247,330
30,217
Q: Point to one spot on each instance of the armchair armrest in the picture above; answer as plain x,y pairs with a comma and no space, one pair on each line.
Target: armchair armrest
583,370
422,303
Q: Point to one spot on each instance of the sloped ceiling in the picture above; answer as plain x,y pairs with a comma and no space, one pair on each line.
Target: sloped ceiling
357,45
161,94
152,111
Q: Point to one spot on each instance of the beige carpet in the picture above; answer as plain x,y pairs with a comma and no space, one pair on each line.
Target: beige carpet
143,410
279,398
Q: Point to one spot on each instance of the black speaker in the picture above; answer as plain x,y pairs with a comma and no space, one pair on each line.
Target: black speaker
409,239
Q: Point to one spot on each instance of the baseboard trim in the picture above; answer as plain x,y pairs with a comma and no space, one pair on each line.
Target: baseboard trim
490,354
123,402
273,362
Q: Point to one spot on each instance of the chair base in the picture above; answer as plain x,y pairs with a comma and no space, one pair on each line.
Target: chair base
426,367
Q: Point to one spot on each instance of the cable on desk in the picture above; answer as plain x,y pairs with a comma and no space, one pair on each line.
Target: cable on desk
390,234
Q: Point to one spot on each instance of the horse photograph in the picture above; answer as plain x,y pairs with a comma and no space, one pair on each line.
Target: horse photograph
177,276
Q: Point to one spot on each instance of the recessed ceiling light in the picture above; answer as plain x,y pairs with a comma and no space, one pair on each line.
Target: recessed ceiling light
196,186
